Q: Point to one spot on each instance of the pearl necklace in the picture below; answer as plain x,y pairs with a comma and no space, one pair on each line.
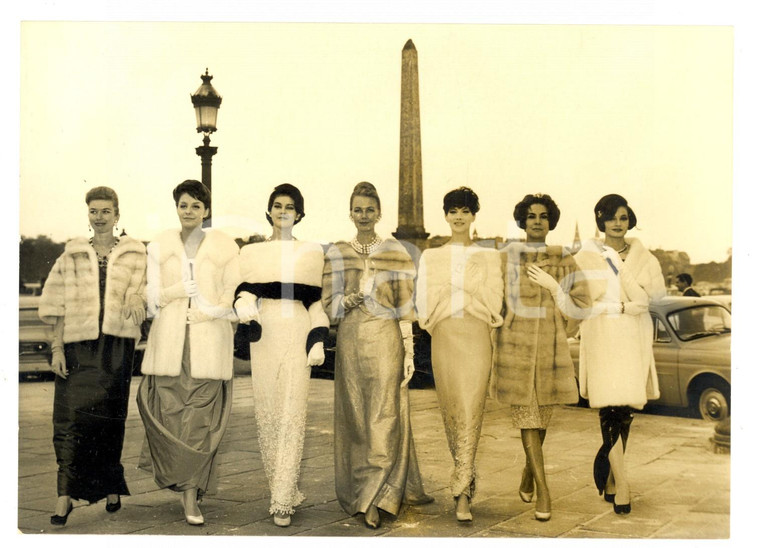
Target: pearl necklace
366,249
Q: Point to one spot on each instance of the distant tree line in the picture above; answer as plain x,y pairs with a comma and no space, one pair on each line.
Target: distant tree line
36,258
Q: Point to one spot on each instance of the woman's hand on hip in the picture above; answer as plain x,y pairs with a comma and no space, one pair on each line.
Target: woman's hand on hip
58,363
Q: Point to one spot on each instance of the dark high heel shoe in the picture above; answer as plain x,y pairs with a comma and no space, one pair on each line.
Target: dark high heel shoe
621,508
609,497
55,519
112,507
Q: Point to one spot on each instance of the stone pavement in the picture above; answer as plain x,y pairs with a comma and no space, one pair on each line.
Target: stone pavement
680,487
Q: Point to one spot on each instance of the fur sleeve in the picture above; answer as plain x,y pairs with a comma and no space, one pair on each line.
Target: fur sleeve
52,304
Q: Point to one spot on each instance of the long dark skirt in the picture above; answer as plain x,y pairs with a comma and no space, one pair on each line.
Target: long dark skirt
89,413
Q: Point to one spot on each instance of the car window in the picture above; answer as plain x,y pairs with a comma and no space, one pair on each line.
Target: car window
660,331
700,321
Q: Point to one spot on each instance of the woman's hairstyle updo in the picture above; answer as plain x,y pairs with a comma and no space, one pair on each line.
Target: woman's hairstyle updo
294,194
364,189
607,206
103,193
195,189
521,209
461,197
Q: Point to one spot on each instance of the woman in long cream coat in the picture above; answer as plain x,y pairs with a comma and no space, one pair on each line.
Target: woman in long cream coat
186,392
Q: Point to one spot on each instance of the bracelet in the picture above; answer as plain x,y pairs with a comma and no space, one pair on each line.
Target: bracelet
622,307
55,347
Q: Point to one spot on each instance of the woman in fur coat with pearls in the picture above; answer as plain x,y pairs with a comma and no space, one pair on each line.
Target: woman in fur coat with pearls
185,396
94,297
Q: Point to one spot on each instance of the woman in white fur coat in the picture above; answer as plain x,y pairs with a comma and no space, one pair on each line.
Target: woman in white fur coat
617,371
185,396
281,298
94,297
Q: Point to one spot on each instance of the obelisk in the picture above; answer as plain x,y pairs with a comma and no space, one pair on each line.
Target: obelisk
410,221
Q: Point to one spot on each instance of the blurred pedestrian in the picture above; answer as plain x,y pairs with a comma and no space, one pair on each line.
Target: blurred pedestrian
544,291
683,283
185,396
94,297
280,297
617,370
368,285
459,297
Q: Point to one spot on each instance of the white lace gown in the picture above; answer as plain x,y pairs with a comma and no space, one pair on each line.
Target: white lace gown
286,277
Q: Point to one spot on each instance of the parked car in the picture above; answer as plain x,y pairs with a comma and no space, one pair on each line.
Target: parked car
423,370
34,337
692,353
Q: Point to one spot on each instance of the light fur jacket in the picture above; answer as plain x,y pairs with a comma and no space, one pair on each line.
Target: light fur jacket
217,272
616,358
72,290
454,280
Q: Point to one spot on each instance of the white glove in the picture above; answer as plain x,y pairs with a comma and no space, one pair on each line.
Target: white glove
135,309
542,278
316,355
408,338
194,315
191,288
247,308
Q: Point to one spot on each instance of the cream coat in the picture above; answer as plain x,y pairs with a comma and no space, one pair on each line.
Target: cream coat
616,358
217,272
72,290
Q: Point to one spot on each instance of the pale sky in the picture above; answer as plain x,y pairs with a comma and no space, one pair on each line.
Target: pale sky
574,111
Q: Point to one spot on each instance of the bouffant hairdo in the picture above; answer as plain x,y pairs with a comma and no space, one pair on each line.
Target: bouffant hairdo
103,193
607,206
521,209
364,189
461,197
292,192
193,188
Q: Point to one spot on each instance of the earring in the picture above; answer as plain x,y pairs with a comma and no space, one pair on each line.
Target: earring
116,225
379,217
350,217
89,228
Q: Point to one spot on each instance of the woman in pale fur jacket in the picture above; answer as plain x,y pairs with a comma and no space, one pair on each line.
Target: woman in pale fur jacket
617,372
94,297
185,396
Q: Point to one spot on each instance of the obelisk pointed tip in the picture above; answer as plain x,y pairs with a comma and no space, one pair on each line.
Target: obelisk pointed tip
409,44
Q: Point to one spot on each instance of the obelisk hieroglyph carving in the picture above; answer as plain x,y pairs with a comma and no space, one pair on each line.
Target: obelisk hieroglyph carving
410,221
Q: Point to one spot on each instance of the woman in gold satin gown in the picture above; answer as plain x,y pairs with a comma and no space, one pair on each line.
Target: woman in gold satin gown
367,289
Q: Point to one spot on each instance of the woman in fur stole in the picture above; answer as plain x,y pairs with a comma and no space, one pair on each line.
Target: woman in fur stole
367,289
280,297
544,293
94,297
617,372
459,296
185,396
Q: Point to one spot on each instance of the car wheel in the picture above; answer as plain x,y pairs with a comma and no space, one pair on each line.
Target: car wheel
712,404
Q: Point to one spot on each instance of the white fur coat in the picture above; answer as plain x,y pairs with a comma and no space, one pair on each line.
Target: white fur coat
72,290
217,272
616,358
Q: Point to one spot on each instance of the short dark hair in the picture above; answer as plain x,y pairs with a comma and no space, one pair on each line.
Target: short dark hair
292,192
684,277
461,197
103,193
521,209
364,189
193,188
607,206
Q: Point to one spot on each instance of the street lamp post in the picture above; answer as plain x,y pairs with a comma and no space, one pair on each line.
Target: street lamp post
206,102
